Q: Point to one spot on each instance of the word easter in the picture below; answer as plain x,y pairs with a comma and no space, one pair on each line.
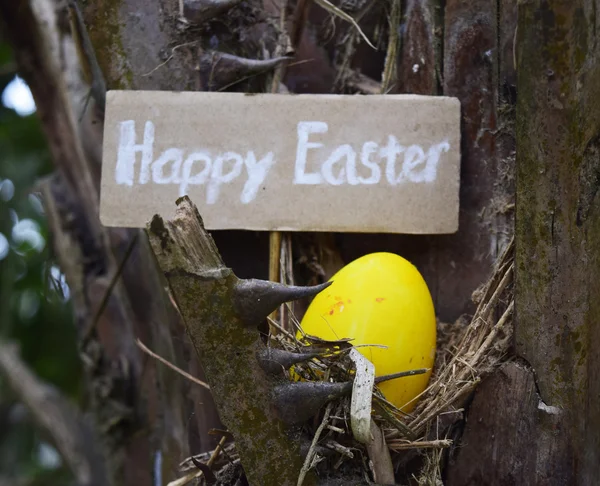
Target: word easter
346,163
175,166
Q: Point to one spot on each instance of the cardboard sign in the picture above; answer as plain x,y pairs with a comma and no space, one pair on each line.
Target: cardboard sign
348,163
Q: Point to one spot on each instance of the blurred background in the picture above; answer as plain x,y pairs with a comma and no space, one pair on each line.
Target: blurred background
35,311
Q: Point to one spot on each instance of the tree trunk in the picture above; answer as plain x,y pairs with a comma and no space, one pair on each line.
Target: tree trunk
141,410
222,315
537,421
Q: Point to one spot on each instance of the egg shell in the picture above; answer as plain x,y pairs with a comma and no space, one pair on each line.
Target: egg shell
381,299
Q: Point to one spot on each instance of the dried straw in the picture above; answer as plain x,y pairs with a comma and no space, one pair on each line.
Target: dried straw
466,354
483,346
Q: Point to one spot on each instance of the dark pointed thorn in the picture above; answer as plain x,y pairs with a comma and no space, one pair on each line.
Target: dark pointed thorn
254,300
274,361
199,11
219,70
401,374
295,403
206,470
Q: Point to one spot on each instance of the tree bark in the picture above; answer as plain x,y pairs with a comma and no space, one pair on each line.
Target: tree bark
222,315
558,226
141,410
537,422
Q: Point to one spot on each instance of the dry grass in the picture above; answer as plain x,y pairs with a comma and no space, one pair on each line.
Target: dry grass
482,345
467,352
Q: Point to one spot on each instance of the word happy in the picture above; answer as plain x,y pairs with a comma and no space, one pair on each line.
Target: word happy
390,163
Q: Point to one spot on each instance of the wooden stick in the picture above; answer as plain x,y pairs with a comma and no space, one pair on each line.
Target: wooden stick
151,353
274,268
275,236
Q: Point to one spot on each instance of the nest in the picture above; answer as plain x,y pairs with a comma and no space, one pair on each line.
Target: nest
413,445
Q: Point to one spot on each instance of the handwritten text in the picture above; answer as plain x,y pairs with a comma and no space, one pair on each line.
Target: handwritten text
389,163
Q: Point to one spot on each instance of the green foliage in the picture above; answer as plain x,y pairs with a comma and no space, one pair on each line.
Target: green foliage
35,311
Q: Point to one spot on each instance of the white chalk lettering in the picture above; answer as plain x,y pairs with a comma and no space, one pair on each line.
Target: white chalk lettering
340,167
390,152
124,172
433,159
368,149
198,168
304,130
173,156
343,151
413,157
218,177
257,173
333,164
200,177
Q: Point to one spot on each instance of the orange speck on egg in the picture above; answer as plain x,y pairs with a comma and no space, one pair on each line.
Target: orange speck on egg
379,299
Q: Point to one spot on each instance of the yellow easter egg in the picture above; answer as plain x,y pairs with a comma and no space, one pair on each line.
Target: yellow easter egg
381,299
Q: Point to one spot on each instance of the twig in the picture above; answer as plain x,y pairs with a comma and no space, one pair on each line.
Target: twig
243,78
343,15
380,404
143,347
287,277
336,446
400,445
87,57
313,446
276,325
187,463
274,262
185,479
105,298
198,473
185,44
214,456
362,83
275,237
